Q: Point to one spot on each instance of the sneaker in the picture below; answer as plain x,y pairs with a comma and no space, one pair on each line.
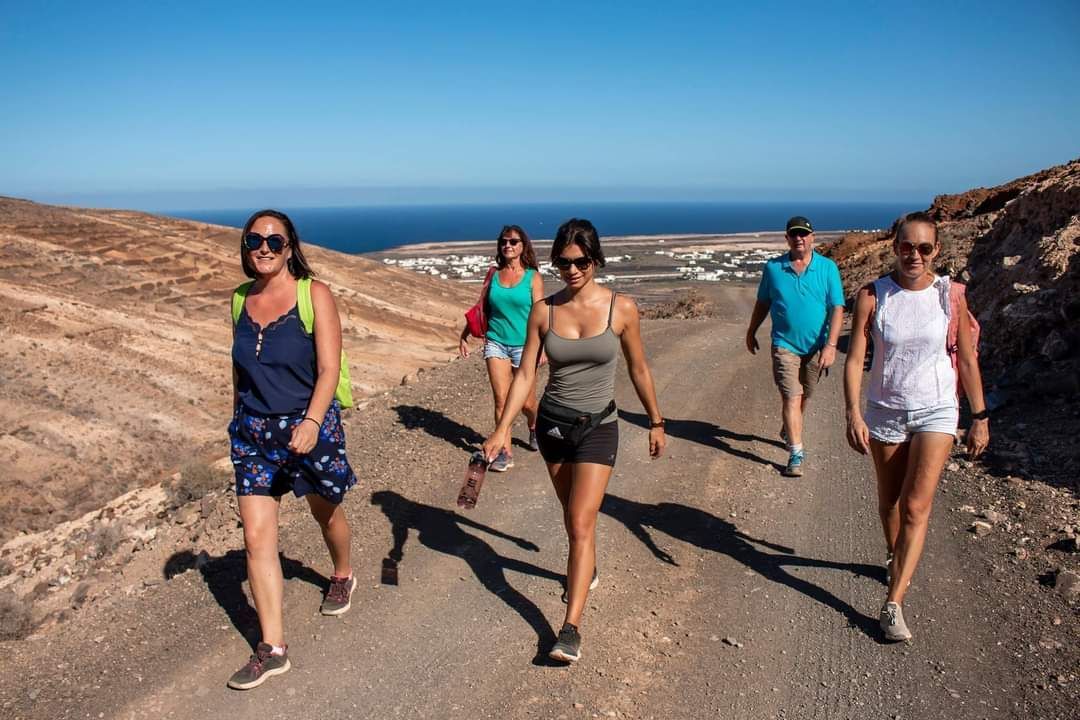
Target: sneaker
794,465
502,463
568,646
892,623
338,598
592,585
263,664
534,444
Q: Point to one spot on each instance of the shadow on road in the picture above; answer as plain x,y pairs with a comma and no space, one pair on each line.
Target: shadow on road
710,435
224,577
709,532
436,424
442,530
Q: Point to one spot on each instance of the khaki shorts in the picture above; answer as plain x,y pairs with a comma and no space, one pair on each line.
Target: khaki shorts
794,374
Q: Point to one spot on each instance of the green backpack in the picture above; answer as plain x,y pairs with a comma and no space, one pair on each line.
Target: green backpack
343,394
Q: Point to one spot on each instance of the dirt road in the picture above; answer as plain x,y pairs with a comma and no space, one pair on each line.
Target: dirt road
725,590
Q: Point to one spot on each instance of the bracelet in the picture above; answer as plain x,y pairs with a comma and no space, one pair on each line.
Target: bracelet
983,414
308,417
657,424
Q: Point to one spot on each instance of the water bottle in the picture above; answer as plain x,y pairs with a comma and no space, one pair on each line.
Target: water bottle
474,479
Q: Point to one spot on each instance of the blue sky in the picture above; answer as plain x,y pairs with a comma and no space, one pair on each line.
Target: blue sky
197,104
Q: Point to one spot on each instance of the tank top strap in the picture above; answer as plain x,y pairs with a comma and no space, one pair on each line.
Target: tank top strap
611,310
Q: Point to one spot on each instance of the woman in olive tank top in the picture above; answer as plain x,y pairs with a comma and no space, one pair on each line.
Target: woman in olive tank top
581,328
515,285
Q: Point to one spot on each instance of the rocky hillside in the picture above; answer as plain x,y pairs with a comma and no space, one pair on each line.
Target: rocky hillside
114,348
1017,246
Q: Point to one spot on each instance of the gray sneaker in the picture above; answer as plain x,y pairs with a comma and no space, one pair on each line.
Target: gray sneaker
892,623
794,464
338,598
568,646
534,444
502,463
262,665
592,585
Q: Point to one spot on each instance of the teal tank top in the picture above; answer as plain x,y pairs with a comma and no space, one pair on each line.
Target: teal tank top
508,309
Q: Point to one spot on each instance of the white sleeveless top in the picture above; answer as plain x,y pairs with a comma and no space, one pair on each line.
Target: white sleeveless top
911,369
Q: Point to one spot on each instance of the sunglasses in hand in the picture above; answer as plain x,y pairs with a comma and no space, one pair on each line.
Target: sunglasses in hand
564,263
253,241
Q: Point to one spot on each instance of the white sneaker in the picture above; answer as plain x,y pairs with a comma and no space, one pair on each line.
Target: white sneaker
892,623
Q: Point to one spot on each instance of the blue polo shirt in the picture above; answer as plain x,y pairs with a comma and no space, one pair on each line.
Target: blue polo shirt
801,304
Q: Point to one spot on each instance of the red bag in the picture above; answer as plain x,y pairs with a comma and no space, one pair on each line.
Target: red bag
476,316
956,291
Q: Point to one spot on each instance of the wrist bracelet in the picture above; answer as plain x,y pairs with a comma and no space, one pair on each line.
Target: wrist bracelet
317,423
983,414
657,424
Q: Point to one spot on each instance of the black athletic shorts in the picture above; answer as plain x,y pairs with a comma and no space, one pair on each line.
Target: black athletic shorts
600,446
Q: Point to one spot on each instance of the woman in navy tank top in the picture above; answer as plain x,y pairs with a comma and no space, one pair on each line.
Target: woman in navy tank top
286,434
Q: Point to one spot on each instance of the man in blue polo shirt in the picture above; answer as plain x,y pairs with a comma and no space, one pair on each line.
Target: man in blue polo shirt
801,291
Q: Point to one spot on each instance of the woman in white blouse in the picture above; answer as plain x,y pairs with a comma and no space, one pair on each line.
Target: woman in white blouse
912,411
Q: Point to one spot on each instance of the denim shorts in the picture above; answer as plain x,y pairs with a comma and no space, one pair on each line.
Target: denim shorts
265,466
495,349
893,427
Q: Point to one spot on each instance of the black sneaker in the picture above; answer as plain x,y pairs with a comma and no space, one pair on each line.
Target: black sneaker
592,585
339,597
568,646
263,664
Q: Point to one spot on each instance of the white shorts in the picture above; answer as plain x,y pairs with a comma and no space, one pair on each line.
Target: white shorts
891,426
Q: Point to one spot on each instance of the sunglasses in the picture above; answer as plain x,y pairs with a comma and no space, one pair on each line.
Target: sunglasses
800,233
564,263
254,241
509,241
925,249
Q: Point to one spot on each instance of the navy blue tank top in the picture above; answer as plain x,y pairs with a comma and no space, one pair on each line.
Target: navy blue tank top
275,366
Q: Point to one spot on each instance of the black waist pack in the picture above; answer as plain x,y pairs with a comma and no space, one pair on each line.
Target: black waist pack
573,425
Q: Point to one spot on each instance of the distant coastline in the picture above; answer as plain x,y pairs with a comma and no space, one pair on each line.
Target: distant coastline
369,229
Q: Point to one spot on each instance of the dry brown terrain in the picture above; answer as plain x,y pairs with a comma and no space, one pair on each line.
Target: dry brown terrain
115,341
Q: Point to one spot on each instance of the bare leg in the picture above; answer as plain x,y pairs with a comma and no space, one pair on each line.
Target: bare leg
587,486
890,464
500,373
259,514
926,457
793,418
529,408
335,531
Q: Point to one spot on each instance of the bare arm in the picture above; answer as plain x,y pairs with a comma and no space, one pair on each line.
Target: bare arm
858,435
328,368
967,367
761,310
537,296
638,367
836,325
524,380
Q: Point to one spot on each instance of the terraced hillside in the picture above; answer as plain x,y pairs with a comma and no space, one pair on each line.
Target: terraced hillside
114,348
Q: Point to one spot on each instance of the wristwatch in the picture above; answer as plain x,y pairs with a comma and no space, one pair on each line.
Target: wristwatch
983,414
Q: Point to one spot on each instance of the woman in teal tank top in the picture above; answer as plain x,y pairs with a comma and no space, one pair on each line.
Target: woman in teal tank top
515,286
582,328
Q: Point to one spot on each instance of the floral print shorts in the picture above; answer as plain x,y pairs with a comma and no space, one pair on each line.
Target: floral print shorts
265,465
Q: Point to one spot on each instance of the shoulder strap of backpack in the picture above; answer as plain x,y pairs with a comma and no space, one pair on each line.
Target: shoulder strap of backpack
303,304
238,297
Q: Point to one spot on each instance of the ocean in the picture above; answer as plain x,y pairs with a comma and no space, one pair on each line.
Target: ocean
372,228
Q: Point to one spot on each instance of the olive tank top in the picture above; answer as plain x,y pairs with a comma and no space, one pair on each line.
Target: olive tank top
581,372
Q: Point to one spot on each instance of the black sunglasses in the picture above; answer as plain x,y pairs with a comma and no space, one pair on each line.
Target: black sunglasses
800,233
564,263
509,241
253,241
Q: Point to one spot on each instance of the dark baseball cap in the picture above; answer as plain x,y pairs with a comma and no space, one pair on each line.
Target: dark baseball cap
799,223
